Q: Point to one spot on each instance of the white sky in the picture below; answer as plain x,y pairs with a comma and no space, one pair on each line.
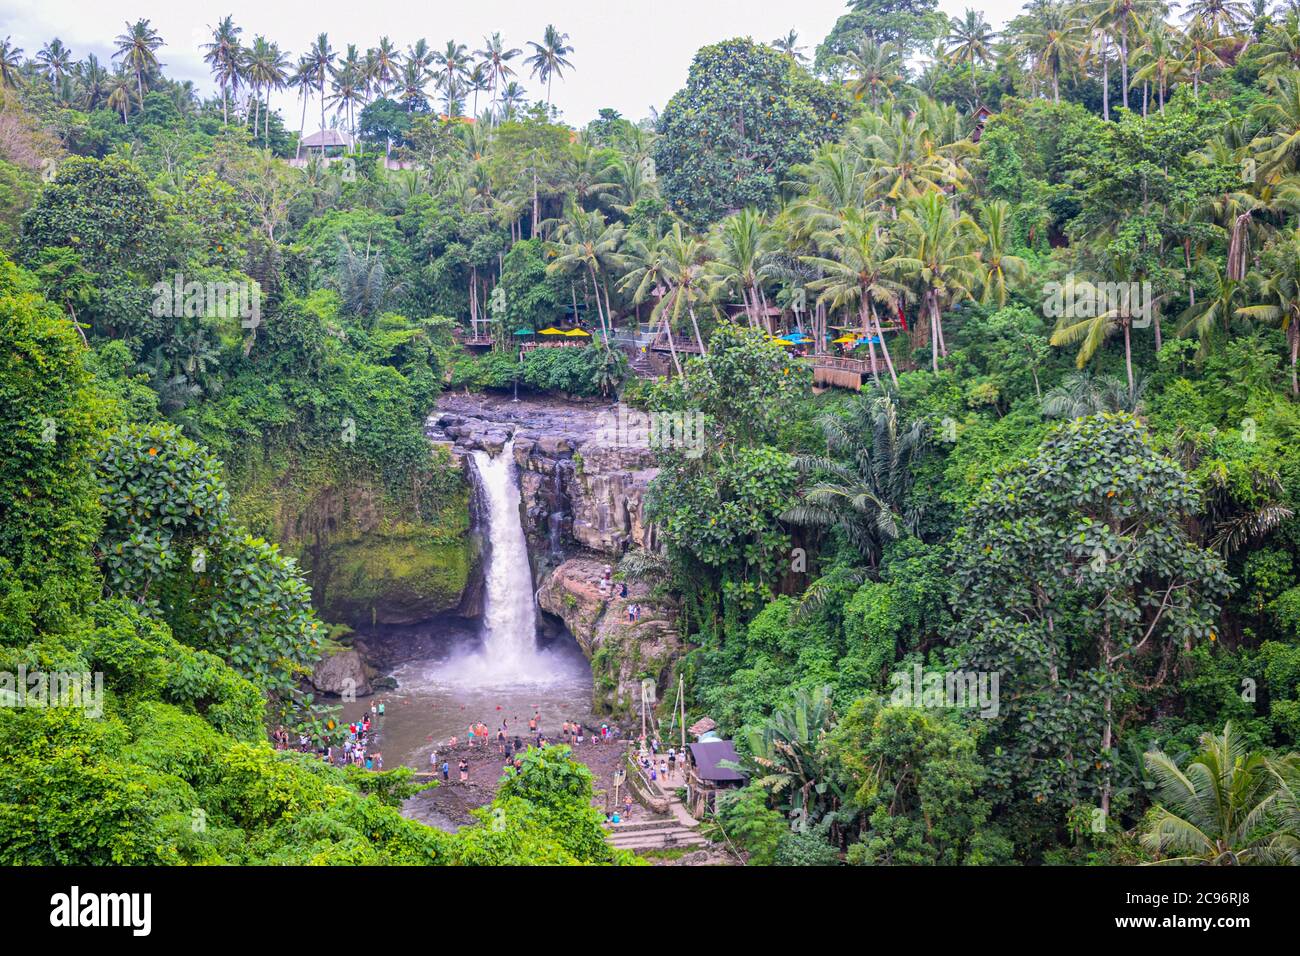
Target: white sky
627,55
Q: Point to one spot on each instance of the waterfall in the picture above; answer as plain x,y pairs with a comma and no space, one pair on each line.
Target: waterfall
509,652
509,612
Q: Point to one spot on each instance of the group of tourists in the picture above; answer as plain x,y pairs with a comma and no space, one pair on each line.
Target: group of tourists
349,744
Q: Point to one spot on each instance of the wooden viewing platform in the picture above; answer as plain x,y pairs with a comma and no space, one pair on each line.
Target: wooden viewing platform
840,372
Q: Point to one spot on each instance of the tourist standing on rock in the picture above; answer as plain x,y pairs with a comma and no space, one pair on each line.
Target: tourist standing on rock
446,772
464,770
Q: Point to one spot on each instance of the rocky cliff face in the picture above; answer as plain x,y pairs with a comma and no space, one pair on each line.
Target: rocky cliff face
578,478
622,652
583,487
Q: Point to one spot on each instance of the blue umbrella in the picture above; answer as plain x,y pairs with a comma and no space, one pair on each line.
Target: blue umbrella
795,337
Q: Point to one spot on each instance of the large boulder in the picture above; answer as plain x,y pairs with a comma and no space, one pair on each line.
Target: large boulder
341,674
622,652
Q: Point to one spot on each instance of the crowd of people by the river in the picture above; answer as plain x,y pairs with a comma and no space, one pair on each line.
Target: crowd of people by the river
509,744
350,744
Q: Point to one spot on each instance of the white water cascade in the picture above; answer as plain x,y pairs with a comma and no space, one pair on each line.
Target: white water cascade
509,653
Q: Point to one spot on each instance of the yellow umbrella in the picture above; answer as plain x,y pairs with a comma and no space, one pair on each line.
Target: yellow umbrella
577,333
550,331
844,340
782,342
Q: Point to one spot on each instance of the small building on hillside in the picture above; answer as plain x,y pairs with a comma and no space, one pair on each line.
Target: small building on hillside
706,776
981,117
328,142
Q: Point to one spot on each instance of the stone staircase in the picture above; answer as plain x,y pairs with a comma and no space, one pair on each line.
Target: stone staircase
658,833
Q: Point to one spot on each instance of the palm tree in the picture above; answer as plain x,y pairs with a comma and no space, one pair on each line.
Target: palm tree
1277,287
137,48
970,39
1201,47
225,57
1205,317
789,45
855,274
1221,18
303,79
1220,810
1051,34
346,84
862,484
740,244
939,260
1279,50
1079,394
1158,59
496,56
513,96
584,241
549,58
54,60
92,80
453,67
1092,331
414,76
997,266
10,63
903,157
119,92
267,71
876,67
1124,18
321,55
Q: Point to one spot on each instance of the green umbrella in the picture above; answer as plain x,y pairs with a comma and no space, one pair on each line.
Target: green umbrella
524,332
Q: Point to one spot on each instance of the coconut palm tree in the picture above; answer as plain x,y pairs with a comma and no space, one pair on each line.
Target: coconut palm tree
970,39
903,156
1123,19
92,82
224,57
302,79
496,56
997,267
513,96
789,45
862,484
1052,35
54,61
1220,810
1091,332
267,71
322,56
875,68
1221,18
1200,53
414,77
11,61
138,49
1279,50
1277,287
740,244
1213,312
119,93
856,270
585,241
939,260
1157,58
453,64
549,58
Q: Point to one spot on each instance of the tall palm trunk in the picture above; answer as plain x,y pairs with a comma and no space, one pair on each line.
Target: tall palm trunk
884,346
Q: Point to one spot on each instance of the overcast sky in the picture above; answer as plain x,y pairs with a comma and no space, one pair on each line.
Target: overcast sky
627,55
